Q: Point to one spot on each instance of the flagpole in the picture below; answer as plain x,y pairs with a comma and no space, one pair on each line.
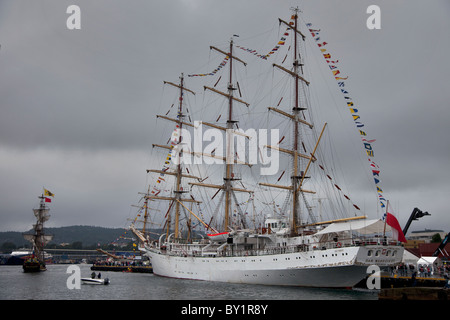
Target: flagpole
385,220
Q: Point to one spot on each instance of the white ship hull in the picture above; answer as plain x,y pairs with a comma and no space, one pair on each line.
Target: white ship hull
332,268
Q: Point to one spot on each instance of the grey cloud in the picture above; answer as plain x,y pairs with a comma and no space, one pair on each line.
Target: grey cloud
69,97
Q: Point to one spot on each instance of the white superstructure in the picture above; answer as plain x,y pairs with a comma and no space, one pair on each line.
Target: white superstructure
332,257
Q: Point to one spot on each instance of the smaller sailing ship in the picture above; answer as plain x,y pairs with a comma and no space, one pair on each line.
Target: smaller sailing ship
38,238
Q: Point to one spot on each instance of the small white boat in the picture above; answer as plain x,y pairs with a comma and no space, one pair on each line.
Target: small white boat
94,281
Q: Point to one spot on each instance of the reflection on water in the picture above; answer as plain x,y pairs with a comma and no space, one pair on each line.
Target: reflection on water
51,285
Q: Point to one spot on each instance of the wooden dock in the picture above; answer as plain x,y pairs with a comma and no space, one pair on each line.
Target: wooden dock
414,293
400,282
390,282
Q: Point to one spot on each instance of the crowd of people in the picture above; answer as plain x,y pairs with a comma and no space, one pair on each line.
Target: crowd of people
421,270
120,263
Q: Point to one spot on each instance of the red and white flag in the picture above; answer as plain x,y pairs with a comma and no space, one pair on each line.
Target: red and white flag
392,221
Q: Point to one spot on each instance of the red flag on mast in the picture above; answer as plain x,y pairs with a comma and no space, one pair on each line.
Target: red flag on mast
392,221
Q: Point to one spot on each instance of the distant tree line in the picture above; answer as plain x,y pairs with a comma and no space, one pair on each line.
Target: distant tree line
73,237
8,247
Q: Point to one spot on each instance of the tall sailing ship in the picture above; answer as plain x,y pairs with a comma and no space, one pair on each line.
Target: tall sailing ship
38,238
292,246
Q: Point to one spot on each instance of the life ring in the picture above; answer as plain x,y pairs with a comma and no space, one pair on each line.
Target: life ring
338,245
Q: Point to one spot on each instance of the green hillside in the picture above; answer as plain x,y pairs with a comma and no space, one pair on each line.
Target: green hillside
83,235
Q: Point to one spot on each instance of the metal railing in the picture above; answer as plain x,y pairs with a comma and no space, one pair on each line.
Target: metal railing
231,250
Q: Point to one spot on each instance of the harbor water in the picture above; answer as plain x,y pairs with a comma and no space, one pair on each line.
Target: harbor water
52,285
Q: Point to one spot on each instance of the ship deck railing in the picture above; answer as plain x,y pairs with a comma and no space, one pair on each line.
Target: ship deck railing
231,251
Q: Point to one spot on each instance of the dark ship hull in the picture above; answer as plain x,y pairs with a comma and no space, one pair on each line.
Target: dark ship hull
33,265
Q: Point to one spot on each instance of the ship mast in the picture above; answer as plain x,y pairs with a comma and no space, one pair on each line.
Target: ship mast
145,221
177,199
229,176
178,188
39,239
39,230
144,227
295,111
297,176
229,165
230,159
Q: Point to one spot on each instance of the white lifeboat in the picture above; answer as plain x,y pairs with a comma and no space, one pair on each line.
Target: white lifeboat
218,237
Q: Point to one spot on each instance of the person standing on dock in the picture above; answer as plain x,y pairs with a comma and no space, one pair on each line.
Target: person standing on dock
413,279
447,285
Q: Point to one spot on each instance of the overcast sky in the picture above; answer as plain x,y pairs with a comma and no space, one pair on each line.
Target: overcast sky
77,107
